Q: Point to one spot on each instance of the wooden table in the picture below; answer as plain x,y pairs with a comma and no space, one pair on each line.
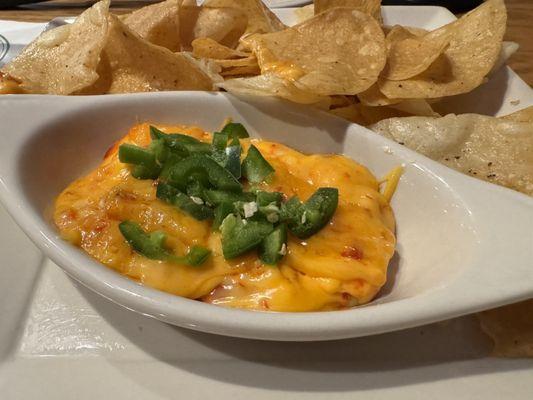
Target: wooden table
519,25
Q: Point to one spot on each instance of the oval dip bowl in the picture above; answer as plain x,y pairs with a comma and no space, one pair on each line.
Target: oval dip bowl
463,245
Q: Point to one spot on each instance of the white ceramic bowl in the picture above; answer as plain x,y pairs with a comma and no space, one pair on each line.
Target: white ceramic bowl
463,245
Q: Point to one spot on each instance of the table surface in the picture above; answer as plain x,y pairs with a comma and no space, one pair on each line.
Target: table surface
519,24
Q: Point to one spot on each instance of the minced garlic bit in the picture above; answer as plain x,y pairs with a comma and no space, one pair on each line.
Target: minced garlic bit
272,217
197,200
283,250
272,212
249,209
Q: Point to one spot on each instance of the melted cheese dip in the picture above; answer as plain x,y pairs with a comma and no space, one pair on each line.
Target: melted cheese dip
343,265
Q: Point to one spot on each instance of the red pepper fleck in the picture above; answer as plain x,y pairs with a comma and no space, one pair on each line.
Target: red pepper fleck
345,299
111,150
264,304
100,226
352,252
71,214
125,195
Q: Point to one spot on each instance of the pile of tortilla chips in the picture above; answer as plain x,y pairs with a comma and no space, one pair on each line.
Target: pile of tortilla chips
340,58
341,50
171,45
100,53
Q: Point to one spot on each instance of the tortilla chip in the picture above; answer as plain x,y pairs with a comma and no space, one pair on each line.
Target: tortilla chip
473,50
9,85
373,97
260,18
271,85
409,54
209,48
511,328
223,25
418,107
372,115
241,62
524,115
364,115
63,60
370,7
158,23
232,62
131,64
488,148
342,101
380,107
241,71
242,66
413,30
348,108
341,51
350,112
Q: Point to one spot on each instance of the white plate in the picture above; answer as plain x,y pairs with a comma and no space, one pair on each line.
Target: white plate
58,340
